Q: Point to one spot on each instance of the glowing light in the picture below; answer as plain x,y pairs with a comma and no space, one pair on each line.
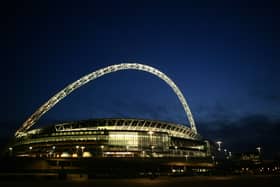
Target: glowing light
83,147
65,155
118,153
87,154
123,138
96,74
259,149
75,155
219,145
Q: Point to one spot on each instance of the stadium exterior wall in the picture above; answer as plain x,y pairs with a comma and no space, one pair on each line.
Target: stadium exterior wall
111,138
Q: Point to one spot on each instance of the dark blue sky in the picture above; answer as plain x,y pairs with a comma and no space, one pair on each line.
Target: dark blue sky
223,56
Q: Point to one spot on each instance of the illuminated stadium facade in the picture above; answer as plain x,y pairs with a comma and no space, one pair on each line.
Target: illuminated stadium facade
137,138
112,138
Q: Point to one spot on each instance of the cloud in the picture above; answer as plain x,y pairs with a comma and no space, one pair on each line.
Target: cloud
265,91
216,111
245,134
272,98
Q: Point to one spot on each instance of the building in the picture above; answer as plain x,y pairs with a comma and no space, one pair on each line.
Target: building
111,138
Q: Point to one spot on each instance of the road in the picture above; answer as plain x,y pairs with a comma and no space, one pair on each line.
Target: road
198,181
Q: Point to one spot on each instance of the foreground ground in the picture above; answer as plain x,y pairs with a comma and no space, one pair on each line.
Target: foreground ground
198,181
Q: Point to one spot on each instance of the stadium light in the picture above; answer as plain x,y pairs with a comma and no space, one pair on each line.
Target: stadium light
219,145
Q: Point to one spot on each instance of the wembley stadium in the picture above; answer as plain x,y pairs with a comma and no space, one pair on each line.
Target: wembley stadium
112,138
111,143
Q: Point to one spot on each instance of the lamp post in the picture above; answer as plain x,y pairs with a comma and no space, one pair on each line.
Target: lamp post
102,147
225,150
10,151
30,149
259,149
77,148
143,153
152,147
226,153
219,145
259,152
83,148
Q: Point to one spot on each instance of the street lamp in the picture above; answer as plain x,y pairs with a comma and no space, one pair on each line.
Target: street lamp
11,151
219,145
102,147
226,153
152,148
83,147
259,149
30,149
143,152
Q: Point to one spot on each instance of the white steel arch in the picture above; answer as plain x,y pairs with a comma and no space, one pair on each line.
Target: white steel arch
96,74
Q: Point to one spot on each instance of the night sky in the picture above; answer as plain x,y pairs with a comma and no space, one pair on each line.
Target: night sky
223,55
